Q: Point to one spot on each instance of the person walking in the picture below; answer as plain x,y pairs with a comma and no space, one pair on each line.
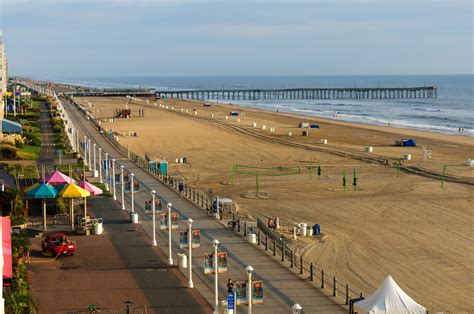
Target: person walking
230,286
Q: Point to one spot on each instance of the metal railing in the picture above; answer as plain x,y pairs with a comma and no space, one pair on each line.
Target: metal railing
315,273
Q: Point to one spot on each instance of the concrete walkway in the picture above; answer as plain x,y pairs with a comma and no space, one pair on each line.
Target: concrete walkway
282,288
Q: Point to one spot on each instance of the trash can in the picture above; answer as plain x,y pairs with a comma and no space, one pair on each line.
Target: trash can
316,229
134,218
296,229
253,238
309,231
98,228
182,260
303,228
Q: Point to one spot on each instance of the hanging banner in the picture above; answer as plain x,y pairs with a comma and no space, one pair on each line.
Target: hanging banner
222,262
208,264
241,292
163,222
183,239
174,221
106,164
257,292
196,239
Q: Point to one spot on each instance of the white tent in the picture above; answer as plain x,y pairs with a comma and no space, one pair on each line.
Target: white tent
389,298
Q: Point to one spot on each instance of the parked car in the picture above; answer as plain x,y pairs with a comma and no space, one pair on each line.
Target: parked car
58,244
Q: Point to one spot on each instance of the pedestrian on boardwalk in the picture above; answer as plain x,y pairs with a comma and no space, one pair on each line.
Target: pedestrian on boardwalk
230,286
181,188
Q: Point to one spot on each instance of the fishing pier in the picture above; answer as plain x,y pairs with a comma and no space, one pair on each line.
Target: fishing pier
304,93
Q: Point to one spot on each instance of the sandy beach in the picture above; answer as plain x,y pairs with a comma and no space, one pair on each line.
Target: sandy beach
406,226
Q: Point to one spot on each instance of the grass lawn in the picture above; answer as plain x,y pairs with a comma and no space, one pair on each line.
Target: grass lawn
29,152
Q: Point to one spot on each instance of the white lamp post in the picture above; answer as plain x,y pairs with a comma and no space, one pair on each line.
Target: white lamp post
190,249
249,270
106,171
296,308
169,234
215,243
85,150
153,192
123,190
113,180
95,163
132,190
89,153
78,147
100,165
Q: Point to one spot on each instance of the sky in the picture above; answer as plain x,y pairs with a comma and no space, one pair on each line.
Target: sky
107,38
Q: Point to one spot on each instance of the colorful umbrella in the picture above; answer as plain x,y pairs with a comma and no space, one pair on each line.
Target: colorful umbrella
73,191
57,177
92,189
42,191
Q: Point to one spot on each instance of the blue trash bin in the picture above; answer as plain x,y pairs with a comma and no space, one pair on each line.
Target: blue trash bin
316,229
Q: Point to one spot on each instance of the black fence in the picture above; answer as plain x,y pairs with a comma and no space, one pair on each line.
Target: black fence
278,247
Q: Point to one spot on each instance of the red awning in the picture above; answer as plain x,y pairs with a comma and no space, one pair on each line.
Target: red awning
6,248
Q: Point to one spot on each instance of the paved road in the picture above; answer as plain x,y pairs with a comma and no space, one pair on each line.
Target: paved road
283,288
109,269
47,140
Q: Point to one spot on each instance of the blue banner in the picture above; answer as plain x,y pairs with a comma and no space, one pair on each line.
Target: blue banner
230,301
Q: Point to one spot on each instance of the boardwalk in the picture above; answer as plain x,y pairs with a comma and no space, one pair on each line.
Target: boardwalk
283,288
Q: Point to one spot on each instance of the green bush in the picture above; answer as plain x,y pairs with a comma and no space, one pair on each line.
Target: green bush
33,140
8,151
57,129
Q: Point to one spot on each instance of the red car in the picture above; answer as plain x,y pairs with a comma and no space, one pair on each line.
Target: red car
58,244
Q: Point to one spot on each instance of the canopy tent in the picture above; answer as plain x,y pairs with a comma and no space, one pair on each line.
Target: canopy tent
41,191
92,189
9,126
57,177
73,191
390,298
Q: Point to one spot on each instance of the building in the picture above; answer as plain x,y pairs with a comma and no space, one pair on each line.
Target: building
3,81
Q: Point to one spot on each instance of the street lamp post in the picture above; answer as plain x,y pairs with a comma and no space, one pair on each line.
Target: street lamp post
100,164
153,192
122,184
89,153
249,270
296,308
113,180
85,151
170,259
132,190
95,163
190,249
215,243
106,171
78,147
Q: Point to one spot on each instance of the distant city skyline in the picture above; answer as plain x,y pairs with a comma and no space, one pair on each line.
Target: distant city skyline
107,38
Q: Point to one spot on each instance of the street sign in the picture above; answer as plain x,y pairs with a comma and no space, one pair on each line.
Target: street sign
230,302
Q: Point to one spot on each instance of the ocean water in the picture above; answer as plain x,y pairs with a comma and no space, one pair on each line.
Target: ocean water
453,109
